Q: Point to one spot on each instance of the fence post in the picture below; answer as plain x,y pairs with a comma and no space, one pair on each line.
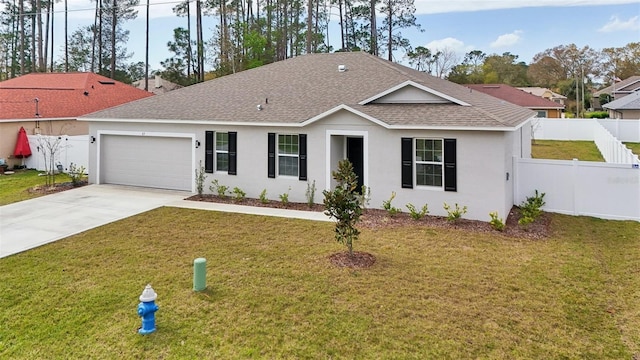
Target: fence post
575,191
516,180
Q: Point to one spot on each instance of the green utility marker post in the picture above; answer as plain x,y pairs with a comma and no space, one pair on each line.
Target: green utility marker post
199,274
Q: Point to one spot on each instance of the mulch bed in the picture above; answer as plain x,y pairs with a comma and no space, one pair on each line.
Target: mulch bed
57,187
378,218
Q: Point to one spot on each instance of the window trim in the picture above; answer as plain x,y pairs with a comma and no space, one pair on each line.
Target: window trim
415,163
216,152
449,168
280,155
211,152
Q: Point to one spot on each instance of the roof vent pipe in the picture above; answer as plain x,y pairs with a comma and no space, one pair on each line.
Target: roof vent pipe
342,68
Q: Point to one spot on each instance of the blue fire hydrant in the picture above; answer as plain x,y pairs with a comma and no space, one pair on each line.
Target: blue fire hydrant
147,309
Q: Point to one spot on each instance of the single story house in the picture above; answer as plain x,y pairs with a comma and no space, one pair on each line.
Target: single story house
543,107
49,104
617,90
626,107
285,126
544,93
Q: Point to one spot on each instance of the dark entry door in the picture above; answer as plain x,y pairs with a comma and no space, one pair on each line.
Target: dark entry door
355,154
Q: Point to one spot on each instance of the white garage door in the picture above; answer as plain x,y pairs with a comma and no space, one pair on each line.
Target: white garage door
148,161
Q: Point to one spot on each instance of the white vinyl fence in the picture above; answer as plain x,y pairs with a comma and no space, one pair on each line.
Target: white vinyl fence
608,191
611,148
72,149
624,130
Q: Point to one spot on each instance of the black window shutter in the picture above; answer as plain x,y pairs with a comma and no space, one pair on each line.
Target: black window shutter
302,157
271,163
208,151
232,153
450,165
407,163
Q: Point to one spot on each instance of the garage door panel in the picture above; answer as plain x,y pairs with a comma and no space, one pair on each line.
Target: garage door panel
158,162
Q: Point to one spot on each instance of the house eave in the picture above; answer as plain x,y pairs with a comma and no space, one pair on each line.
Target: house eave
37,119
416,85
307,122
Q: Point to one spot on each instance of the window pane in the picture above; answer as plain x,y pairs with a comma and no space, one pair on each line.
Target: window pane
288,165
429,174
428,150
222,141
288,144
222,162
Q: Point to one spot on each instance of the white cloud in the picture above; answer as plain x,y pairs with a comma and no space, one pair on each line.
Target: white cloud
507,40
449,43
615,24
438,7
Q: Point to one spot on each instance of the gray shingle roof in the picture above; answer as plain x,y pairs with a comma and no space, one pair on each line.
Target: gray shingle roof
628,85
627,102
298,89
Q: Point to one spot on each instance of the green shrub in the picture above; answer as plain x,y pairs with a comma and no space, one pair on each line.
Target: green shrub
530,209
76,174
454,214
342,204
311,193
597,115
221,190
263,196
386,204
238,194
284,197
364,197
496,222
415,214
200,175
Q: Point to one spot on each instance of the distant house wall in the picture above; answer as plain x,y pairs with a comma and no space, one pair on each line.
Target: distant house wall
624,114
9,133
550,113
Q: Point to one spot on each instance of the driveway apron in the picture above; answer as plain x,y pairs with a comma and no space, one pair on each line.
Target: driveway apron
28,224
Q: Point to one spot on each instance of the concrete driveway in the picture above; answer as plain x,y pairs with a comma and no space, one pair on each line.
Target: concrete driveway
31,223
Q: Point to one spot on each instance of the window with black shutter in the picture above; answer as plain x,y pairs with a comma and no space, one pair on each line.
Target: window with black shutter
208,151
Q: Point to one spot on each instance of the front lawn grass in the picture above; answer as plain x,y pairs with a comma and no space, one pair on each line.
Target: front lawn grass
565,150
13,188
272,293
635,147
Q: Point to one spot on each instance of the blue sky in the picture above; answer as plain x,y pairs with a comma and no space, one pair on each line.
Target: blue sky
522,27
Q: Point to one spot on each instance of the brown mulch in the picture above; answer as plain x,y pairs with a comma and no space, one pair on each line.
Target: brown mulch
378,218
357,260
55,188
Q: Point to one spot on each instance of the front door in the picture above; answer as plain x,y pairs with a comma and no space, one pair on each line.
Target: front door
355,154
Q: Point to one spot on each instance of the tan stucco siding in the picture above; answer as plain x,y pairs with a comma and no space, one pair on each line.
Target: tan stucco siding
9,133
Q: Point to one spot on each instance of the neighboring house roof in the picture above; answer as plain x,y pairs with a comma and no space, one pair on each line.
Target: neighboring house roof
629,102
515,96
540,91
304,89
157,85
626,86
62,95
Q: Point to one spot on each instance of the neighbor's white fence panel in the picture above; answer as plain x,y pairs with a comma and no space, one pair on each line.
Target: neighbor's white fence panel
624,130
563,129
608,191
611,148
72,149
